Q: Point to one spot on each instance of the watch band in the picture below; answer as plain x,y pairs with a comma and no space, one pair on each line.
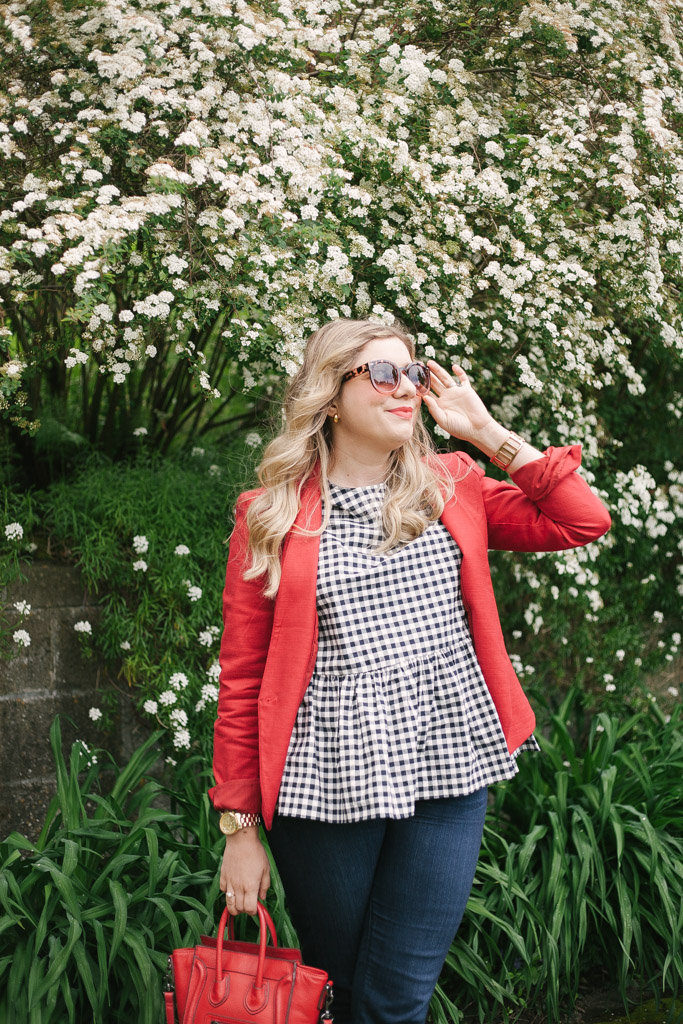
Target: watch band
507,451
232,821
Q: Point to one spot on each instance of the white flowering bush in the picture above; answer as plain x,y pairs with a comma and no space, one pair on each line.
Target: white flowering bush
190,188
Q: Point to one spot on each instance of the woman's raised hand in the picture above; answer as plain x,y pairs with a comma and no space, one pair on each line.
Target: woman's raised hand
454,404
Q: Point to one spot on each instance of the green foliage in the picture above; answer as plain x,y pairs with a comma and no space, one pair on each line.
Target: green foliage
91,910
122,525
580,867
123,872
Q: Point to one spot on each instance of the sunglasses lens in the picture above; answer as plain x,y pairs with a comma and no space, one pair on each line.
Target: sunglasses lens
418,374
384,376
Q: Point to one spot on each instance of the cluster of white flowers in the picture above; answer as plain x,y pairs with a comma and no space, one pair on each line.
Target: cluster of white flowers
193,592
209,695
83,626
14,531
21,638
208,635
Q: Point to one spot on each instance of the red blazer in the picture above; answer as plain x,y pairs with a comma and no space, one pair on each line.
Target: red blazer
269,646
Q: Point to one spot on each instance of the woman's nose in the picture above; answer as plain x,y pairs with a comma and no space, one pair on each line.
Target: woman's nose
406,387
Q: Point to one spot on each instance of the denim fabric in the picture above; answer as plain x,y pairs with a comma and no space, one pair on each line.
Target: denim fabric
377,903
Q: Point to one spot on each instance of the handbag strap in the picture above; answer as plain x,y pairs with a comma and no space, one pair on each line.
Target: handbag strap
265,925
269,922
169,1005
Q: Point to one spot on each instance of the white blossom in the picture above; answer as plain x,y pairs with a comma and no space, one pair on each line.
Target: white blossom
14,531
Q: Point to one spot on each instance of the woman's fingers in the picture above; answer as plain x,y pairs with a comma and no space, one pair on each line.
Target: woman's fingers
442,379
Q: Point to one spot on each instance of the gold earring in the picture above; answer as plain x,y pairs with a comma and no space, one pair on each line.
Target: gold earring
335,418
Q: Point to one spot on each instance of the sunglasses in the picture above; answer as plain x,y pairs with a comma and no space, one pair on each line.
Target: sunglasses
385,376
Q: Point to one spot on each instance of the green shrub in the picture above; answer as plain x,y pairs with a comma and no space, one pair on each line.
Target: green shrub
115,881
91,910
581,865
150,538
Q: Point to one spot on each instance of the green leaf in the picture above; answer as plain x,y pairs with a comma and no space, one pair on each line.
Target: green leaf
120,904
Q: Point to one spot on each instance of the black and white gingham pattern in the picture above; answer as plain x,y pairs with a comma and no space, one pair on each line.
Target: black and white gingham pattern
397,709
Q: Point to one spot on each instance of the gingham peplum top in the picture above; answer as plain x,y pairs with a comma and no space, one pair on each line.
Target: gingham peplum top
397,709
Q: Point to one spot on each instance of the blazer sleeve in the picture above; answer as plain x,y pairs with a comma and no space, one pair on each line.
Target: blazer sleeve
547,507
247,626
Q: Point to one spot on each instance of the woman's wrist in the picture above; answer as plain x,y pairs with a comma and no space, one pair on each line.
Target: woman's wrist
489,439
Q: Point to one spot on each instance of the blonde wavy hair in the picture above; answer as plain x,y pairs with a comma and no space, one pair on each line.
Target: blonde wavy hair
417,487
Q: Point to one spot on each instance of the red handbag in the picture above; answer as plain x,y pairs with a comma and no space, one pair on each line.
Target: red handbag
219,982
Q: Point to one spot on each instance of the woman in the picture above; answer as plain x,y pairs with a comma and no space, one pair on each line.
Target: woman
366,697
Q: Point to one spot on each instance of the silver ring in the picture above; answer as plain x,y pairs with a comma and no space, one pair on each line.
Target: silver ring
229,895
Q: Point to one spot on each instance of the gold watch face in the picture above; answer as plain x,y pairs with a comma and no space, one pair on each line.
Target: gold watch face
228,823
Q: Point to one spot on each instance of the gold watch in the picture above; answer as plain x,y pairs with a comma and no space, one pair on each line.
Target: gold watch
232,821
507,451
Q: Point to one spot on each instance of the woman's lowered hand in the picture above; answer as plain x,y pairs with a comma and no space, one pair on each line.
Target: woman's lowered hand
245,871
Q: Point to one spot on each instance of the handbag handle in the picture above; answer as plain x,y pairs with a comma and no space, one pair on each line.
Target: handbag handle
265,925
269,922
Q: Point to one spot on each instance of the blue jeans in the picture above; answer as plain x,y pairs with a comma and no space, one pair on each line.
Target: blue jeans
377,903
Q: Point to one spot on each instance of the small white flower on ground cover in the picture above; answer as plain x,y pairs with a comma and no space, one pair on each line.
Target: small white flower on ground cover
14,531
182,549
23,607
178,681
194,593
181,738
140,543
21,637
83,626
95,714
167,697
150,706
140,565
207,636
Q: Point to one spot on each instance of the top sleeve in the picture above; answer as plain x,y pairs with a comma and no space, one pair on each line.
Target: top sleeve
547,507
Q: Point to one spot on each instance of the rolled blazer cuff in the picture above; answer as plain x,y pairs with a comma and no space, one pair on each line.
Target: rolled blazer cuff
238,795
538,477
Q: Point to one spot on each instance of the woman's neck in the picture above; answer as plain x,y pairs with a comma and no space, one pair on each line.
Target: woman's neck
347,472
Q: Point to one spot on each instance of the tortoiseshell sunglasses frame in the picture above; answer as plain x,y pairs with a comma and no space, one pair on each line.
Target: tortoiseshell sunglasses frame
421,390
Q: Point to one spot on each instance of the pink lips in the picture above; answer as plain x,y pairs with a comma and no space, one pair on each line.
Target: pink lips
404,411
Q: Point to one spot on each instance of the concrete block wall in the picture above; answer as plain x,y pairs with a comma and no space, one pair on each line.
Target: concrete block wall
47,678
